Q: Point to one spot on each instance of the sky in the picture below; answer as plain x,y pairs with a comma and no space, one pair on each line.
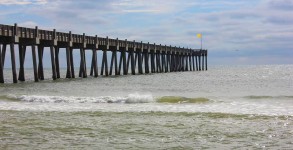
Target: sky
235,32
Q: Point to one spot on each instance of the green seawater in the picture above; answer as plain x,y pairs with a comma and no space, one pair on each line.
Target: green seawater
178,99
226,107
142,130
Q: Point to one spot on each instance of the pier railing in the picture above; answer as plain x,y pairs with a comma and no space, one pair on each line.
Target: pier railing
141,57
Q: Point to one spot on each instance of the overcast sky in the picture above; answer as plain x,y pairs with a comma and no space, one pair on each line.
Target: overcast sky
234,31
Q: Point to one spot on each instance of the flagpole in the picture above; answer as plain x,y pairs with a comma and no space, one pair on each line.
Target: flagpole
201,42
199,35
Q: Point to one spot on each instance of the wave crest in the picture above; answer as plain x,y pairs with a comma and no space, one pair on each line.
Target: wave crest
131,98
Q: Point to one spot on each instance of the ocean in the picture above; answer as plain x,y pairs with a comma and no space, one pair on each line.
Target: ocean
226,107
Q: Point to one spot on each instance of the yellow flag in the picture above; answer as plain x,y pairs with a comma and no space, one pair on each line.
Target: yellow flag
198,35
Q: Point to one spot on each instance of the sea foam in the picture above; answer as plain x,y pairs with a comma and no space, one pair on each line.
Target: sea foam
131,98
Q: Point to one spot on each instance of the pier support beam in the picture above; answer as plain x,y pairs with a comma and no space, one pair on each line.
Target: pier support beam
193,64
153,69
35,63
57,49
202,62
177,63
81,65
13,63
182,68
163,62
168,62
142,60
114,62
68,72
139,61
123,54
131,55
72,63
186,62
146,62
3,54
82,69
182,62
92,64
1,67
22,51
120,64
85,69
171,65
40,66
95,65
53,62
190,64
206,61
93,71
104,63
122,61
135,59
128,61
158,62
196,62
171,62
199,66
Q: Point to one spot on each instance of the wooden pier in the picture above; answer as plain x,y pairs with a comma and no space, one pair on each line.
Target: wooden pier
141,57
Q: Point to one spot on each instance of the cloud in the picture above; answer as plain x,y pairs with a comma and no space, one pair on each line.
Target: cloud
256,27
22,2
150,6
283,5
29,24
285,19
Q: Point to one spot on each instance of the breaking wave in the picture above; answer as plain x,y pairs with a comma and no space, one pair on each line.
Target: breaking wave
131,98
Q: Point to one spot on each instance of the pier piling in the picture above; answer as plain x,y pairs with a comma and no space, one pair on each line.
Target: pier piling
112,61
199,66
202,62
53,63
22,51
35,63
1,67
72,63
13,63
123,54
57,62
68,71
206,61
40,66
131,55
104,64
